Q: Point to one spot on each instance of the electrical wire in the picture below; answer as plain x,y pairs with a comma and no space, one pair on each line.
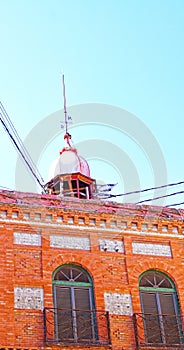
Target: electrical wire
147,189
104,195
19,150
23,152
174,205
17,137
6,188
164,196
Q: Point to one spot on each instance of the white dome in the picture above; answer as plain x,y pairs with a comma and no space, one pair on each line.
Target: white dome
68,163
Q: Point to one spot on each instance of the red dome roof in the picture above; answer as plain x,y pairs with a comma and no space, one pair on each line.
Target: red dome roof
69,162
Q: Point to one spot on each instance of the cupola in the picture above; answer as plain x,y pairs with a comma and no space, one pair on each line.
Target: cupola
71,174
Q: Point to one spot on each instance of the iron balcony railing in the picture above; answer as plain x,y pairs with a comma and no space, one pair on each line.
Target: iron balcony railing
161,331
76,326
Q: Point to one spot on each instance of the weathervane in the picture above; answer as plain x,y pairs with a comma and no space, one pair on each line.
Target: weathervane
67,119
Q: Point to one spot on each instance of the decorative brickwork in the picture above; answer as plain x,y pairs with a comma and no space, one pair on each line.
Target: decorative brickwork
30,324
27,262
115,270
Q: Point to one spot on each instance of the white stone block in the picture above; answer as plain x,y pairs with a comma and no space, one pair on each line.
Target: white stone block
27,238
82,243
28,298
111,245
151,249
118,304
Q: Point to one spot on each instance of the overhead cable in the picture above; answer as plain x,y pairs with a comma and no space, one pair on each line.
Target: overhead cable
7,120
147,189
4,118
164,196
174,205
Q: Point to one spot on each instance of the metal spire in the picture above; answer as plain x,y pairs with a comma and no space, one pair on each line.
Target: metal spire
67,135
65,111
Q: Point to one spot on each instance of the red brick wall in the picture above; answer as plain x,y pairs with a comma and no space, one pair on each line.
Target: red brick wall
32,266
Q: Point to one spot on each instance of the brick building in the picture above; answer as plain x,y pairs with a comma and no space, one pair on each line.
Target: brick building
80,273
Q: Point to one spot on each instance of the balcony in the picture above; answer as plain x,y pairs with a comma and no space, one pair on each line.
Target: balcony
159,331
63,326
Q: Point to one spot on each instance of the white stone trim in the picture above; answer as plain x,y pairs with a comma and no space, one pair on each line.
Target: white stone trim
111,245
118,304
27,238
151,249
93,228
82,243
28,298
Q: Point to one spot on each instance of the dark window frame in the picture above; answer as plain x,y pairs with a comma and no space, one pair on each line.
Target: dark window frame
154,297
63,279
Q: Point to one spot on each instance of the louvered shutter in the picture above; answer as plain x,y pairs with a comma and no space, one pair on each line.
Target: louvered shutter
171,321
84,315
150,317
64,322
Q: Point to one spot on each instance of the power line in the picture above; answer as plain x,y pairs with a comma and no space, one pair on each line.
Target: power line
19,150
23,152
164,196
7,119
174,205
146,189
107,196
6,188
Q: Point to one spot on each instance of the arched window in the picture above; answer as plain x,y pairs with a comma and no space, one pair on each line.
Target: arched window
160,309
74,305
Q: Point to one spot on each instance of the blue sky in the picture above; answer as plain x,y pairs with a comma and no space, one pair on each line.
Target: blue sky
127,54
